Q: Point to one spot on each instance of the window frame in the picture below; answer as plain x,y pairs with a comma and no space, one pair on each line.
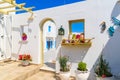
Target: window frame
73,21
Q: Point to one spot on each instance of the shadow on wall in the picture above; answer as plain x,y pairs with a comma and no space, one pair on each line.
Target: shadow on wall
75,53
111,52
116,10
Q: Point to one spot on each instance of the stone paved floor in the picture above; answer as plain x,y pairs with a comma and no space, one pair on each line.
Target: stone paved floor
12,70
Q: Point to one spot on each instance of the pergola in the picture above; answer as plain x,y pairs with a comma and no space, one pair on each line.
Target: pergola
8,6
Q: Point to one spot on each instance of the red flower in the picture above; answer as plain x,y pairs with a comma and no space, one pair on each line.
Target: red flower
103,76
78,36
25,57
20,57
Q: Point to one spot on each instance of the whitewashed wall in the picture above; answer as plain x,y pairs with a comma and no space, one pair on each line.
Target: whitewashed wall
5,31
93,11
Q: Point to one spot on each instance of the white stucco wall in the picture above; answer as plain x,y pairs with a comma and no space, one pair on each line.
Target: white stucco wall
5,37
5,31
93,11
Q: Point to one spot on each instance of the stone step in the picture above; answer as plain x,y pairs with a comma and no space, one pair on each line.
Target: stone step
50,67
15,71
42,75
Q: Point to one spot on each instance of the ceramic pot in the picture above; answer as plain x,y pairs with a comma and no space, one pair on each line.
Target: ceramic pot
25,63
65,75
106,78
82,75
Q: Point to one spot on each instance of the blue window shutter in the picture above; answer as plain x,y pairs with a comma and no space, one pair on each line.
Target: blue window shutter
49,28
50,44
47,44
54,44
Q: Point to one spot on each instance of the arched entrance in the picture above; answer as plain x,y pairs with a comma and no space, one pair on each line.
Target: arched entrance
48,34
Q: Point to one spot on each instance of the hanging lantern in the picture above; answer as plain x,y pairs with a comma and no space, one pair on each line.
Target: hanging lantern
61,31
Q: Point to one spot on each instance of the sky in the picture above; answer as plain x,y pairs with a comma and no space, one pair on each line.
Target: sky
43,4
77,27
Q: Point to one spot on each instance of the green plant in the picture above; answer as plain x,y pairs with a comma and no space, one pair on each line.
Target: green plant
102,69
63,63
82,66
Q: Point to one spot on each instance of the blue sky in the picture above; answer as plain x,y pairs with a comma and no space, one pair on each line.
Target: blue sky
43,4
78,27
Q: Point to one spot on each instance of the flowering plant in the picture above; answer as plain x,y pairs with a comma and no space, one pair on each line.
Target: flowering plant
103,69
25,57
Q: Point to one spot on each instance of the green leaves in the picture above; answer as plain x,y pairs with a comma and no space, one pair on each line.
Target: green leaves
82,66
103,68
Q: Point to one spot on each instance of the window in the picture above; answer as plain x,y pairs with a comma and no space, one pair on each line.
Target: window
49,44
49,28
76,26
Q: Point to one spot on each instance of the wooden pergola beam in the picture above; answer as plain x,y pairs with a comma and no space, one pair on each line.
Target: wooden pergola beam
5,7
18,10
1,2
13,4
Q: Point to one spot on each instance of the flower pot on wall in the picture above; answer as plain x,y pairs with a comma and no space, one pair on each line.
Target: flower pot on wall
24,36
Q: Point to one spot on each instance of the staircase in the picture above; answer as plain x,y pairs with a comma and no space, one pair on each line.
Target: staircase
15,71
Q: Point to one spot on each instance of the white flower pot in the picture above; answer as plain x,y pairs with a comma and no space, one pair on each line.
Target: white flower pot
107,78
82,75
65,75
25,63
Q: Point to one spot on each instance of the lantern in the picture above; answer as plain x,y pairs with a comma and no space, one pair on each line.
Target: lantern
61,31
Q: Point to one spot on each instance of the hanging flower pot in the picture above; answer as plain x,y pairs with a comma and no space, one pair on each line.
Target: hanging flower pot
24,36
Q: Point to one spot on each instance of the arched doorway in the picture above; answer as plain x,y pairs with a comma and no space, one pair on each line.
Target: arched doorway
48,33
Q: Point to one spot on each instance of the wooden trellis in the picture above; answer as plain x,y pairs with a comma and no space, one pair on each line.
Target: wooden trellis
9,4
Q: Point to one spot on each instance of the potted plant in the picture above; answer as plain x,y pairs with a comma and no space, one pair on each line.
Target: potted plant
25,59
82,71
102,70
82,67
63,63
64,67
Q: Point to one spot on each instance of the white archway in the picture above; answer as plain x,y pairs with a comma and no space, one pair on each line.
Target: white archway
44,35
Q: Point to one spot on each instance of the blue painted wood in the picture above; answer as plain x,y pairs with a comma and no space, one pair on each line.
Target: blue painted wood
116,21
111,31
